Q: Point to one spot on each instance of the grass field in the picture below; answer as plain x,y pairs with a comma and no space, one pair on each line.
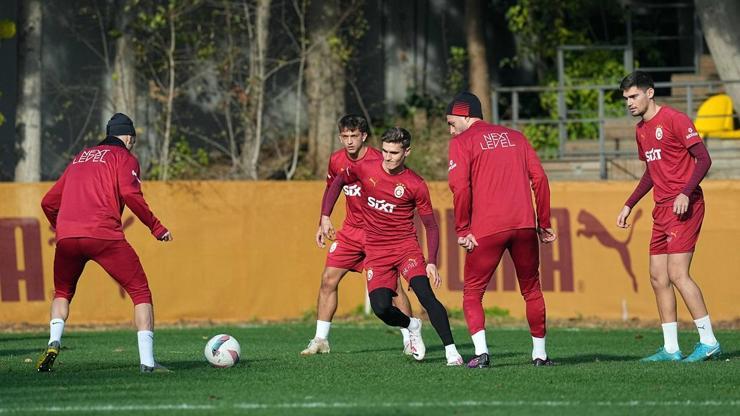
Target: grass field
366,373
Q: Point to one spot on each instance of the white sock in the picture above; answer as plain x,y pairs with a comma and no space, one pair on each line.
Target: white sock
538,348
146,347
405,334
414,324
479,341
322,329
451,351
56,328
706,335
670,337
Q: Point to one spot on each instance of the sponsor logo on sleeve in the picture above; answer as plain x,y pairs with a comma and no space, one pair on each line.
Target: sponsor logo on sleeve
453,165
133,173
351,190
691,133
369,274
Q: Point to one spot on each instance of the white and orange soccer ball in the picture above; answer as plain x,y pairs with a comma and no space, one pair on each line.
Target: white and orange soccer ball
222,351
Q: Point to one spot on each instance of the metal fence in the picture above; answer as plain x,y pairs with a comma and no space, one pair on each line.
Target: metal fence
695,93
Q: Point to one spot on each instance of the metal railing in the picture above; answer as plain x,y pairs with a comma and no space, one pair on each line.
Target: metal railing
563,118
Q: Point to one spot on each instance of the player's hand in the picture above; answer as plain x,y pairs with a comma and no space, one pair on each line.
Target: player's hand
320,241
622,217
468,242
166,237
547,235
681,204
327,228
433,275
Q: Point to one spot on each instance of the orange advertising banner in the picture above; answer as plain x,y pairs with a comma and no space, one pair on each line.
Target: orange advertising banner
245,251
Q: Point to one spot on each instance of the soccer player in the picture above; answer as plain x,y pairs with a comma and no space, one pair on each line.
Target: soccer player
84,207
391,194
347,252
492,172
676,161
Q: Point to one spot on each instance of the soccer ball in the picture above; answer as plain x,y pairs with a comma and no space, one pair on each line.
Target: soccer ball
222,351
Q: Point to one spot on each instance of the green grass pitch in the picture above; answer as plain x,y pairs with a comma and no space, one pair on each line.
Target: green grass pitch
366,373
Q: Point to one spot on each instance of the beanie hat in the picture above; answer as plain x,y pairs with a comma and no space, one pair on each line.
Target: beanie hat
120,124
465,104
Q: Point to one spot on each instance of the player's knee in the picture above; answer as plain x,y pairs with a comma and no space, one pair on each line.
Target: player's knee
381,302
660,280
530,288
677,276
329,281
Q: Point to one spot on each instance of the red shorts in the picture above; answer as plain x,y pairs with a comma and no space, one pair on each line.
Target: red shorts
673,234
116,257
347,251
385,264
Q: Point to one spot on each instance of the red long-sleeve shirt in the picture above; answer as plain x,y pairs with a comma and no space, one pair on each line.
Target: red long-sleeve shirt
492,173
88,199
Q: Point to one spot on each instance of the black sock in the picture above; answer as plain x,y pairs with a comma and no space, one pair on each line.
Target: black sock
436,311
381,300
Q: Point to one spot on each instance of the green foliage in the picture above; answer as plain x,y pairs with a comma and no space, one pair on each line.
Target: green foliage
456,75
7,29
185,162
542,27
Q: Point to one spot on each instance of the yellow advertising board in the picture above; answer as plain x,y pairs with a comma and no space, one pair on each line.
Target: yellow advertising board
245,250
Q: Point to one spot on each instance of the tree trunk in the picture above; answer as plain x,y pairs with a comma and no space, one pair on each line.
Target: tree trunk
325,84
480,85
257,65
718,20
164,157
28,112
120,83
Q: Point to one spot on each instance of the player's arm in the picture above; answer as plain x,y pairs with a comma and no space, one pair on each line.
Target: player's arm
462,193
643,187
541,188
129,186
327,205
686,132
51,202
426,213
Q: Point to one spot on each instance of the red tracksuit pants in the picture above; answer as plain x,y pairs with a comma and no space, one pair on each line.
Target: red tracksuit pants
116,257
523,246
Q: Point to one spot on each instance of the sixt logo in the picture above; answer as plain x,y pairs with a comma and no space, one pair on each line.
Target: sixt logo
380,204
652,155
351,190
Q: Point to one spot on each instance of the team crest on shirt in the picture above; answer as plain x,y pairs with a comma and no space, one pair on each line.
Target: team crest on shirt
399,191
369,274
333,246
659,133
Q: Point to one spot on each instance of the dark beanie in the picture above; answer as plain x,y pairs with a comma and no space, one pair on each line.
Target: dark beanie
120,124
465,104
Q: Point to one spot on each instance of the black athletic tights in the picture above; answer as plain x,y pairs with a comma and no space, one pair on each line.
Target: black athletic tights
381,302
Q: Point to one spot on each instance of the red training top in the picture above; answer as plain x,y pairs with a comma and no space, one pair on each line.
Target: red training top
88,199
663,143
388,205
493,171
339,162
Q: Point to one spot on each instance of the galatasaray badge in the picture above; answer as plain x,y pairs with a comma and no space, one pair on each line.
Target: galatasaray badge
659,133
398,192
333,246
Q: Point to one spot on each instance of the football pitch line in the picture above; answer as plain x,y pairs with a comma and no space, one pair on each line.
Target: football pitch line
354,405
